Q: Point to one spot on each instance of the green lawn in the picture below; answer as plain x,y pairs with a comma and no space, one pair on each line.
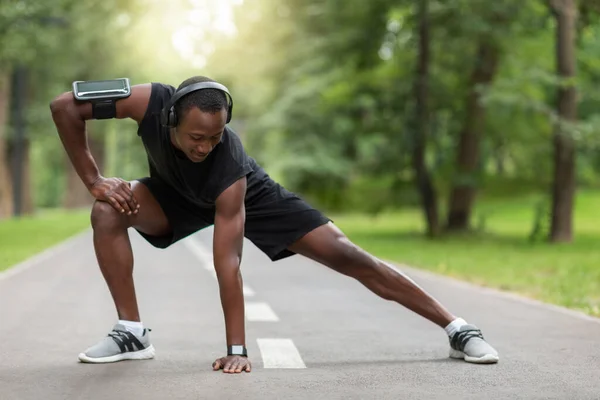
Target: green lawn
24,237
502,257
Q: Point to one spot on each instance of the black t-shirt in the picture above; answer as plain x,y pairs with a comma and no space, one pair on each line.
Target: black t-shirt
200,183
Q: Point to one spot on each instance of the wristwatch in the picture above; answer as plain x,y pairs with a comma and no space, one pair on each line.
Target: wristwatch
237,350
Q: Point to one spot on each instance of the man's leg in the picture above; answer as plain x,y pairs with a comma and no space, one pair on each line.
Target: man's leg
113,247
329,246
115,258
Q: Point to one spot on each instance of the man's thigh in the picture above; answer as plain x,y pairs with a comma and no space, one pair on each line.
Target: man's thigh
274,227
177,217
150,218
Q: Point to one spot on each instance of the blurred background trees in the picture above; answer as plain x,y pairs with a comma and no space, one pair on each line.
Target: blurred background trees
360,106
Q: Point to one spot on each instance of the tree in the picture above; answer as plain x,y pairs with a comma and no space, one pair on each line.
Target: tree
462,196
5,181
563,186
423,179
493,22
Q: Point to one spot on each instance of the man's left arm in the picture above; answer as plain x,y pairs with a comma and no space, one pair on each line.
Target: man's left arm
230,217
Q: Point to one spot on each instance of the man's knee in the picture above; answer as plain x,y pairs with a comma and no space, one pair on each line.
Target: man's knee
104,216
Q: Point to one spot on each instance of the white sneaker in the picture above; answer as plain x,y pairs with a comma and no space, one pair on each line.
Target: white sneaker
118,345
468,343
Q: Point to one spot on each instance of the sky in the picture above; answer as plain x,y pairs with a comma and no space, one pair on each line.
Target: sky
204,16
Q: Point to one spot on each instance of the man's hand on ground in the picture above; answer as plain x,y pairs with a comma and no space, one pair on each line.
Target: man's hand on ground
117,192
232,364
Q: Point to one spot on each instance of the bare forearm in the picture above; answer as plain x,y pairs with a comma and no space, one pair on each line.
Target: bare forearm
228,244
232,300
71,129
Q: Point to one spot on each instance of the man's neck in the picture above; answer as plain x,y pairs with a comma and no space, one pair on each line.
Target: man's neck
178,152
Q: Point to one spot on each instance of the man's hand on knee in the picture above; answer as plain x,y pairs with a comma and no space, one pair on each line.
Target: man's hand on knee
117,192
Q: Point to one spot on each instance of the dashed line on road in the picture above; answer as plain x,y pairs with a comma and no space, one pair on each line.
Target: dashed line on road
202,254
247,291
260,312
275,352
279,353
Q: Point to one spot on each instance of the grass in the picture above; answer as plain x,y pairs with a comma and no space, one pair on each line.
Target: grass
22,238
502,256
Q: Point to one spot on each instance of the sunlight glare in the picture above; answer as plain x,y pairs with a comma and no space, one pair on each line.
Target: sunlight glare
207,18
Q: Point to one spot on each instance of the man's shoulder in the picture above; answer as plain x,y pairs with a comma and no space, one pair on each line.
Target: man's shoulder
235,147
160,94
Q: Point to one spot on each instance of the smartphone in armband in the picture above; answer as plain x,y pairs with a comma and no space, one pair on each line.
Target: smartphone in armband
103,95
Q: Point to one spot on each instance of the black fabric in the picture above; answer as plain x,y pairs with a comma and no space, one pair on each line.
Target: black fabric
200,183
106,109
126,340
460,339
187,191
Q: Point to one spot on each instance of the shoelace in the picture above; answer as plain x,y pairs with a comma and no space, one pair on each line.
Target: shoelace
460,339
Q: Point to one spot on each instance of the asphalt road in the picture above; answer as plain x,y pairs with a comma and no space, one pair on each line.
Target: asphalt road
311,334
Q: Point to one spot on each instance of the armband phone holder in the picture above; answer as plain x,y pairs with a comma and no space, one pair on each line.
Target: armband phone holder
103,95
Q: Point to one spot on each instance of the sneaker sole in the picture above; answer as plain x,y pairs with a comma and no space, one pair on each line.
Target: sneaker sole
486,359
146,354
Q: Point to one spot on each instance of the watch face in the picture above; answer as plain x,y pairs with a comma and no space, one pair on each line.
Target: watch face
237,349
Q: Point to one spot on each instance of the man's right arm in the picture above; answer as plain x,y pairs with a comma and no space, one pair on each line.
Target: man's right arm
69,116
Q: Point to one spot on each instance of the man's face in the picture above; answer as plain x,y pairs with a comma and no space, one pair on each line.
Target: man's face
199,132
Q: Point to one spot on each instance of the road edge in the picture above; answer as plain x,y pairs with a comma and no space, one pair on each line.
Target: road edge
415,272
42,256
411,271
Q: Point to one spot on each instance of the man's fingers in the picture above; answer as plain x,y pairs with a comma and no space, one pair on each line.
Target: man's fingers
113,202
232,365
123,203
128,194
130,201
228,367
235,367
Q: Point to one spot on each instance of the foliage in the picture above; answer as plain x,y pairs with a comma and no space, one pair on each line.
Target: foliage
323,89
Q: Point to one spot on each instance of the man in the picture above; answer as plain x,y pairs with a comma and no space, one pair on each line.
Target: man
200,176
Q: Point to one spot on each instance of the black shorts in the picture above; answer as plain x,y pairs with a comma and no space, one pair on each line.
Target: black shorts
272,225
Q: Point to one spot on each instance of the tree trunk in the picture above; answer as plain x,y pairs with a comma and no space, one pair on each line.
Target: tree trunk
423,179
26,205
563,188
19,144
76,194
6,195
463,192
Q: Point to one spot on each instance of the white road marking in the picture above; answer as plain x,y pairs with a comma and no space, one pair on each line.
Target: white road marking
260,312
279,353
206,259
200,252
248,292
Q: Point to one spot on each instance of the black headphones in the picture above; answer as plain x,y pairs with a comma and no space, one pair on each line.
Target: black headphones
168,117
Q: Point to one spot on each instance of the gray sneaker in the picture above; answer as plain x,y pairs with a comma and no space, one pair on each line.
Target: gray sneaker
468,343
118,345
